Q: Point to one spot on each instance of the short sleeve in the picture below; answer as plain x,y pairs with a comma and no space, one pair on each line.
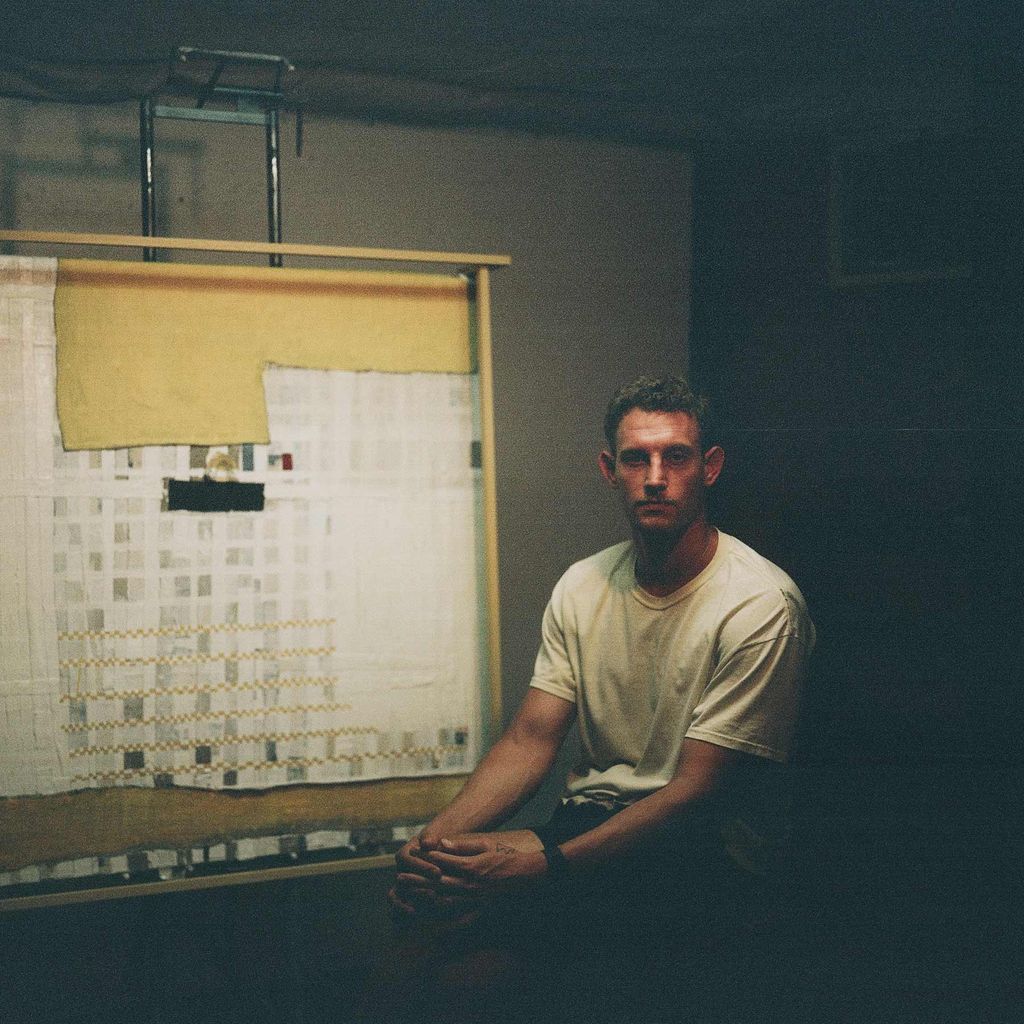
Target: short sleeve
752,700
553,672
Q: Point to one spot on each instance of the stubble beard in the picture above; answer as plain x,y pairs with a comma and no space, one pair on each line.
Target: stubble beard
660,537
663,536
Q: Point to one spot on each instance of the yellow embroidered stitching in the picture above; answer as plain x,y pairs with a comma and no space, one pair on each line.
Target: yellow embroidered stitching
161,745
199,716
196,659
304,762
201,688
221,627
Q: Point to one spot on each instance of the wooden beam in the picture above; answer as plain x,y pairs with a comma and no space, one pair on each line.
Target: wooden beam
490,494
471,259
116,892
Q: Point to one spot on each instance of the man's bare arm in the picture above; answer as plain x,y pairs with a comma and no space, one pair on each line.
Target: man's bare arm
503,781
700,769
511,772
475,867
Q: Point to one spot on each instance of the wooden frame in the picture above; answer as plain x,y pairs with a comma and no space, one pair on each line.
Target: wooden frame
394,799
469,259
192,884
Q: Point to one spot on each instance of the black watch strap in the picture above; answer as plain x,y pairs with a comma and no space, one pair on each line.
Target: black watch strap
558,866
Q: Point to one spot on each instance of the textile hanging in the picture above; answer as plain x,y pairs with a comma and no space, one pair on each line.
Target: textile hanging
328,633
156,353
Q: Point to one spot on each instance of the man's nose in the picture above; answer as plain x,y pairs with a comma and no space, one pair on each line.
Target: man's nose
655,480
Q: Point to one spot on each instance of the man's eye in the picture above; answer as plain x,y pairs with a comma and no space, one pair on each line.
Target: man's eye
675,457
631,459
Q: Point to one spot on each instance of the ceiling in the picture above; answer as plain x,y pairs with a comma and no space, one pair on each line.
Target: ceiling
652,71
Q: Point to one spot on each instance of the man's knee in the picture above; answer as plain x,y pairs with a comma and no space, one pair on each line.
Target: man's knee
496,984
482,971
480,974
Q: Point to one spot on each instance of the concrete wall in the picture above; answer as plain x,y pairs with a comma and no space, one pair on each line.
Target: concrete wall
598,290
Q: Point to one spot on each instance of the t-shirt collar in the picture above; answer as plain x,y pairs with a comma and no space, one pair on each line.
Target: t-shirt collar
650,601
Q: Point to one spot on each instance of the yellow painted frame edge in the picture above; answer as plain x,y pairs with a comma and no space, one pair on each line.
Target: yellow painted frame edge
490,495
271,248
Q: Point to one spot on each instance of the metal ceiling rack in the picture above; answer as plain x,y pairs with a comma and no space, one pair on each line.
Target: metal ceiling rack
254,104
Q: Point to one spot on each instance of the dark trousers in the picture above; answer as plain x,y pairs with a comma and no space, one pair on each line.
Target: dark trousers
635,941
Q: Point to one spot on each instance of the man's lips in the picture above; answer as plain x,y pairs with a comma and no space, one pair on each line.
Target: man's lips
656,506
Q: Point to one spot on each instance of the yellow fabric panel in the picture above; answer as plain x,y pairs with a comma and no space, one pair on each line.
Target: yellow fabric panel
157,353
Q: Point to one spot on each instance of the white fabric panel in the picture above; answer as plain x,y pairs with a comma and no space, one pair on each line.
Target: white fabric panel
332,636
32,747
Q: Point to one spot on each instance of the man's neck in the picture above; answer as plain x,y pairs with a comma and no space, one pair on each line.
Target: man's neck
665,563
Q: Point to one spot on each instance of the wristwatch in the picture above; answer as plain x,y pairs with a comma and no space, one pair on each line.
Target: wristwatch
558,866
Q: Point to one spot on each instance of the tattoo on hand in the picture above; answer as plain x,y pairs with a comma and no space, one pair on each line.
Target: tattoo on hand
504,849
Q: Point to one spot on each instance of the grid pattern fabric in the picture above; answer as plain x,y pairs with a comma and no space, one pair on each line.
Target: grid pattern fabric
332,636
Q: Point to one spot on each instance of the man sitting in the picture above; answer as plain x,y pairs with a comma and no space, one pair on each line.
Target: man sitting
679,654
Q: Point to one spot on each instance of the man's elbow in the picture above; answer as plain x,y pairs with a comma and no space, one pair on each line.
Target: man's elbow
694,786
542,721
683,796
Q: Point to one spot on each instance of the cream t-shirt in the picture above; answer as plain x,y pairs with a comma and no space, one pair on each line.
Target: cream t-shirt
721,660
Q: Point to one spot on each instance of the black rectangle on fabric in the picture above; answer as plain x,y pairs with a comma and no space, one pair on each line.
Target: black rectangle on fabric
208,495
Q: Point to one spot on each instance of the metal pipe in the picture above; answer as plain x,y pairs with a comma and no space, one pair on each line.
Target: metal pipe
274,181
208,89
184,52
254,117
146,182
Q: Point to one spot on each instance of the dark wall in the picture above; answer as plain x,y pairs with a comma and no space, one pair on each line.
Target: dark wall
874,438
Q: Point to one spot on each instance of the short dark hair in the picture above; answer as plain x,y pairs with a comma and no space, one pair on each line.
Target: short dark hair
671,393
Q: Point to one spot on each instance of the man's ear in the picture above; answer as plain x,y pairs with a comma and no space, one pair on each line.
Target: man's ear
714,459
607,463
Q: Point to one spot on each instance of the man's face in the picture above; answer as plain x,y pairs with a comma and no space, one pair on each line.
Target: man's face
660,471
